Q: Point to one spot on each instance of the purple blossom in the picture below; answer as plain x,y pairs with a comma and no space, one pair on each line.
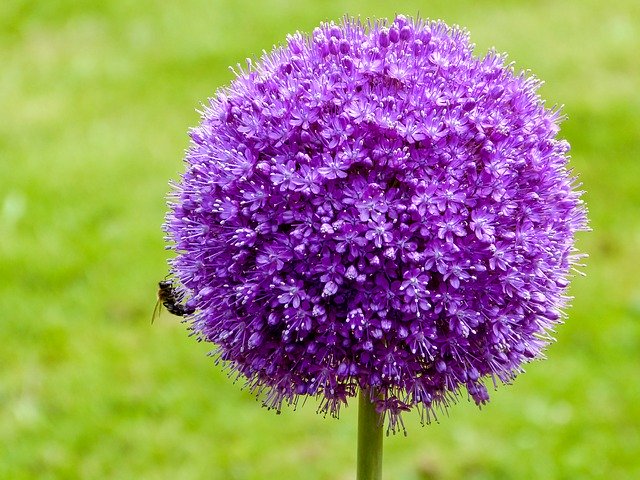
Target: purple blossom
333,168
374,206
284,175
379,230
292,293
349,240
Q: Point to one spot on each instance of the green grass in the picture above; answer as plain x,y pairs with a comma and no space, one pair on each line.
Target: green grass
96,98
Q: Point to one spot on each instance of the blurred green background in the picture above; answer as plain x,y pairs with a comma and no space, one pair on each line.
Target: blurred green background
96,98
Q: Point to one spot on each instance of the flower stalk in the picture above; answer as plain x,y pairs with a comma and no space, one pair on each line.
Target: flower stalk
369,438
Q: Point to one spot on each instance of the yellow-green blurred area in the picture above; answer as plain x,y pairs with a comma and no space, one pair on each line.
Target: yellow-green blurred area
95,101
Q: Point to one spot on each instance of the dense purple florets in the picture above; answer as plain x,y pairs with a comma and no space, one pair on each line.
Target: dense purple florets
372,206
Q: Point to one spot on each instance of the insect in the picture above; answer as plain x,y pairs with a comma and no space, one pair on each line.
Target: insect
171,300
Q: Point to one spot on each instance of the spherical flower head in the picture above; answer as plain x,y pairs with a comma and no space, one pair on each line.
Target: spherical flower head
372,206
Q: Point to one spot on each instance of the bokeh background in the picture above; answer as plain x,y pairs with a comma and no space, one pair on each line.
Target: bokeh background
95,101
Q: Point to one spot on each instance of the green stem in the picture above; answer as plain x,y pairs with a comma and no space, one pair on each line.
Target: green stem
369,439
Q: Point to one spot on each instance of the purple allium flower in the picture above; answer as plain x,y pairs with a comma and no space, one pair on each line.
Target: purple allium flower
373,206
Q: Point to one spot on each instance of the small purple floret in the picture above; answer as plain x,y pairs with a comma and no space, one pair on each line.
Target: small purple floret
373,206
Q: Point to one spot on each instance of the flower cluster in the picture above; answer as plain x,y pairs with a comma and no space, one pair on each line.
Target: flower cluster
373,206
